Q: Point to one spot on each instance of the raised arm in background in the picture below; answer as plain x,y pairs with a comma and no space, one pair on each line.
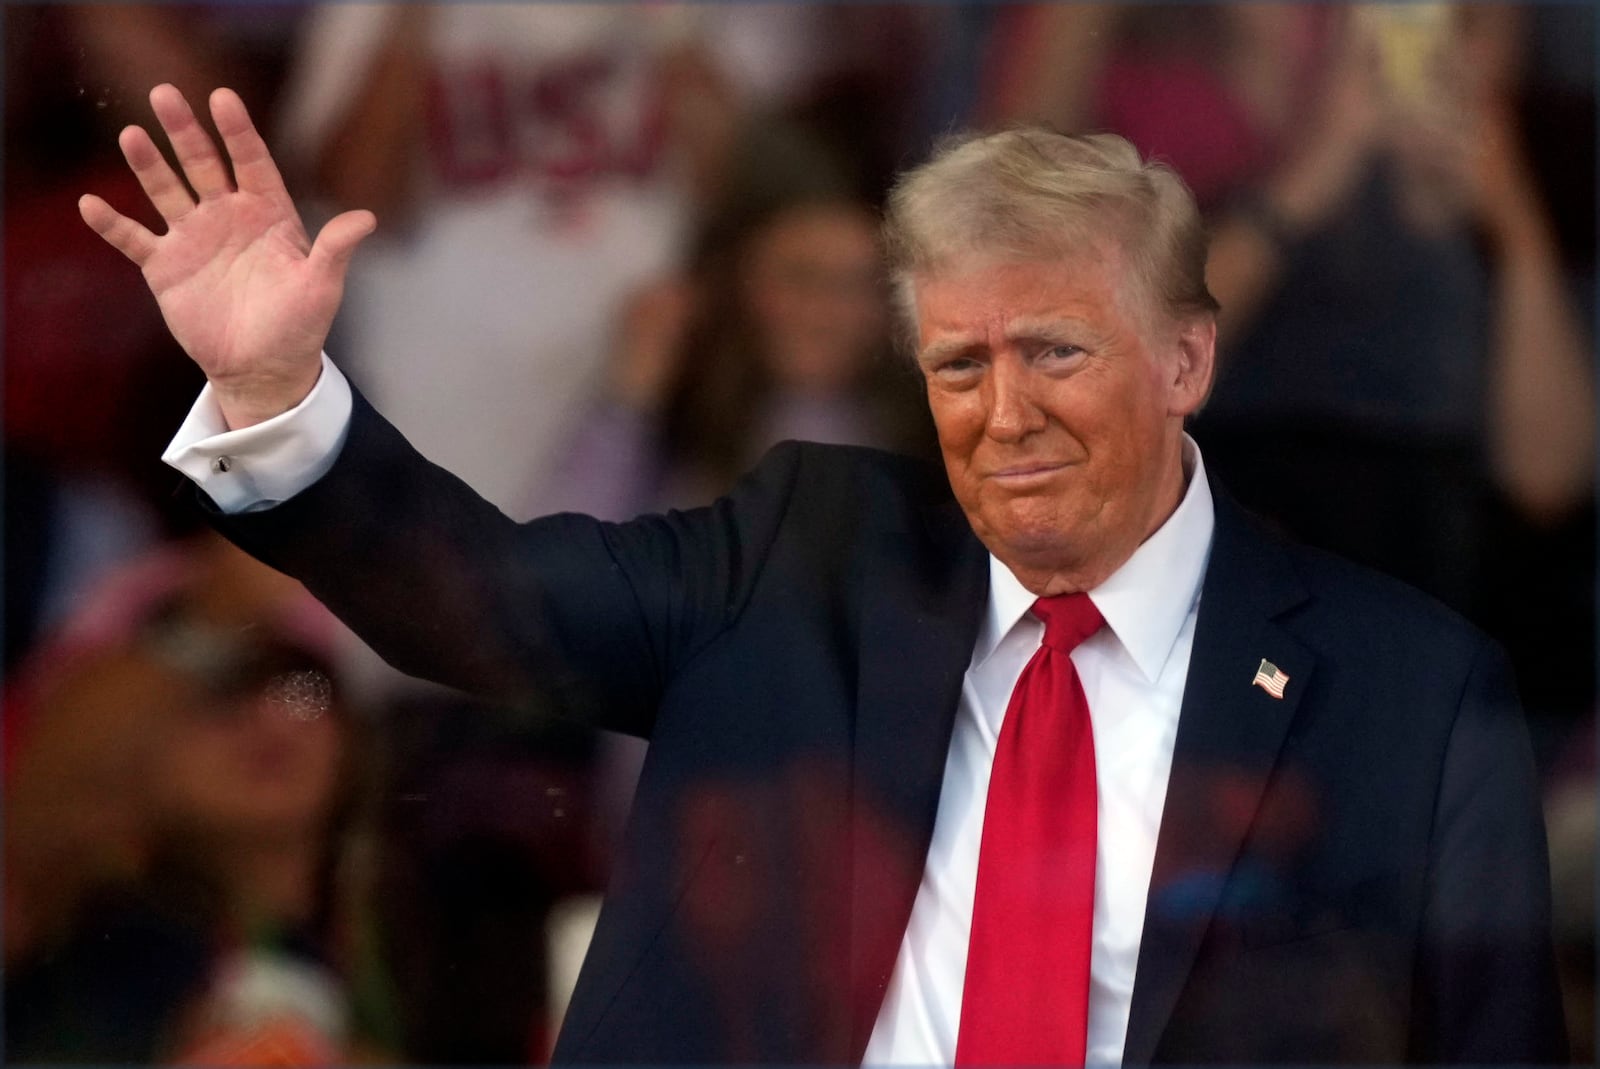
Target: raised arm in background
1323,164
1541,381
242,287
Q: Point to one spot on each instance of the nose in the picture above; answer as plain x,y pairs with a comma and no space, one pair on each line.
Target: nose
1014,413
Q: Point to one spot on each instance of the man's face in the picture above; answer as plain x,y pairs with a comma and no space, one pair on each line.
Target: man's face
1059,409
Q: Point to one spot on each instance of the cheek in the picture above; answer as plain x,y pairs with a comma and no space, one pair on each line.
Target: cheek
324,760
1156,387
770,300
959,423
868,317
768,306
1131,442
1131,409
191,771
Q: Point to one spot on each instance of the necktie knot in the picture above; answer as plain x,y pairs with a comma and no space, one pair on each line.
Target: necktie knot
1068,620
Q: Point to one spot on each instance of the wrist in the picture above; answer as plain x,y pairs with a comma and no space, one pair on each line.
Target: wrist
1519,232
247,403
1298,201
1316,180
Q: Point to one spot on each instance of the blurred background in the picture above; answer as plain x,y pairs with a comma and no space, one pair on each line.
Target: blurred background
623,249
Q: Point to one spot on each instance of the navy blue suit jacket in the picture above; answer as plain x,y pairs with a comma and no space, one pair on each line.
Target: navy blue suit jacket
1355,872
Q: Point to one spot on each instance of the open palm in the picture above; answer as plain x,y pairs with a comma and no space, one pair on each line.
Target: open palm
243,290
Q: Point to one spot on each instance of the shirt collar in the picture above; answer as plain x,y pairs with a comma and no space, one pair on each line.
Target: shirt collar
1144,602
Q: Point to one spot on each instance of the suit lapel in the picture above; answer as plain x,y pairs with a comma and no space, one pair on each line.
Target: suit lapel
923,596
1229,735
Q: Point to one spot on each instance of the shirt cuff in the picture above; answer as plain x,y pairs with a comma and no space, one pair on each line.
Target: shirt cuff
257,467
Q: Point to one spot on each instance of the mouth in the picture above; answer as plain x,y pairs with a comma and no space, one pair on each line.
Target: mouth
1026,475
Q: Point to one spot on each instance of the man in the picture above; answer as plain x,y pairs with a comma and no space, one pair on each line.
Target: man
1077,765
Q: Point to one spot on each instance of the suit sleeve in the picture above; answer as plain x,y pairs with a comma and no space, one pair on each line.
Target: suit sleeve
1487,989
565,614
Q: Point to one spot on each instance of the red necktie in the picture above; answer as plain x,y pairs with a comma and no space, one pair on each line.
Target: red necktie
1026,998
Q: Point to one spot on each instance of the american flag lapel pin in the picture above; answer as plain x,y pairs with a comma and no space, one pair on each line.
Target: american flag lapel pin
1271,678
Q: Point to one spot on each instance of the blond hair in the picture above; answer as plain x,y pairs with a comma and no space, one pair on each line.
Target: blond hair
1029,193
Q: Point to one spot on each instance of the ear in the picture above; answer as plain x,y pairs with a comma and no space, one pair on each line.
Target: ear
1195,367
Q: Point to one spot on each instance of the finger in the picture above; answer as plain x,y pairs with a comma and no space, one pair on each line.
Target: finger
253,168
169,195
123,234
338,240
196,152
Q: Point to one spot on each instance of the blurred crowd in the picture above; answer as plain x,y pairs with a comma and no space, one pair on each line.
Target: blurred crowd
622,250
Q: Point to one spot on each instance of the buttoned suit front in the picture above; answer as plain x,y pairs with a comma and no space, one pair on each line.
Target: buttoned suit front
1353,872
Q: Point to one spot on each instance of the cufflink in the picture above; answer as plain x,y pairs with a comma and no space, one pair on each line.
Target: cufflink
222,465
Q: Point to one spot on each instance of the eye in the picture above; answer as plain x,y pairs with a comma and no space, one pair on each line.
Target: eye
1063,357
958,371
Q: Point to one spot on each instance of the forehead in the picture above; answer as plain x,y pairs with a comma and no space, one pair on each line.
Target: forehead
985,295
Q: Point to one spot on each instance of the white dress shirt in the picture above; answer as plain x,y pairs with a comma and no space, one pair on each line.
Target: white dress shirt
1132,670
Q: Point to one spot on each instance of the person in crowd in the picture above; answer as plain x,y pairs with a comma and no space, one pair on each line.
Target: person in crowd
506,146
182,879
778,329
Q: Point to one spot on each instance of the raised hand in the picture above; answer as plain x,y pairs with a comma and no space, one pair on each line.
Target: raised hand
243,290
1330,152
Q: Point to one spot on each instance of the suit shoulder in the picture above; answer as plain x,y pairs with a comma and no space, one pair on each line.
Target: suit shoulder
1387,610
1335,605
861,475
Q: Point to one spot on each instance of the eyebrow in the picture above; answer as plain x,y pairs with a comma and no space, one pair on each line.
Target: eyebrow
942,350
1053,328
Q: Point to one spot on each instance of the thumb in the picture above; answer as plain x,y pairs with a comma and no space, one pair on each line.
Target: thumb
338,240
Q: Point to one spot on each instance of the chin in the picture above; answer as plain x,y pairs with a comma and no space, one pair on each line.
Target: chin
1035,548
1049,539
